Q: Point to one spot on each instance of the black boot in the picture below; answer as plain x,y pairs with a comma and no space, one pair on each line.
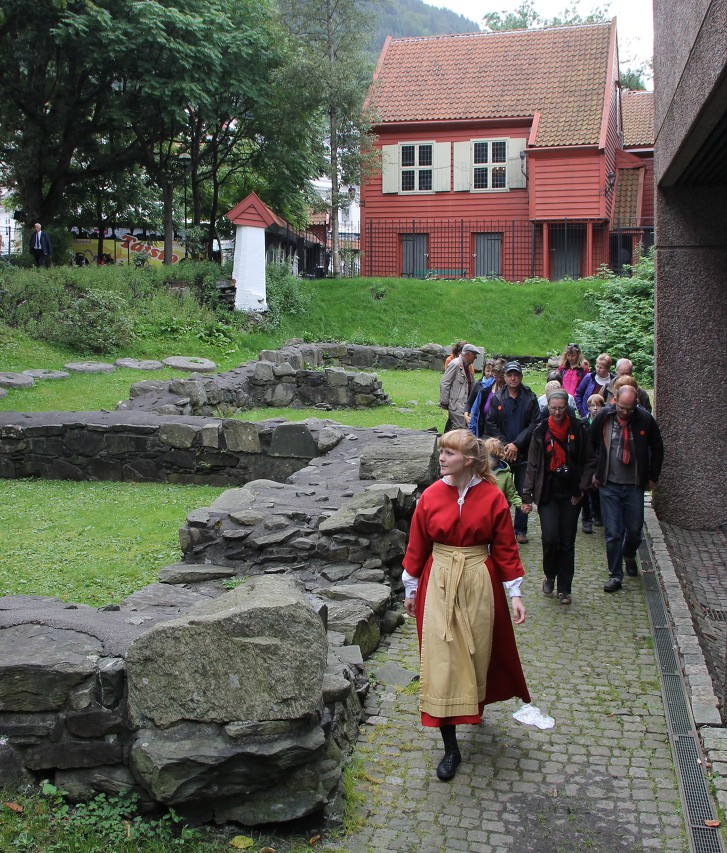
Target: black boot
447,767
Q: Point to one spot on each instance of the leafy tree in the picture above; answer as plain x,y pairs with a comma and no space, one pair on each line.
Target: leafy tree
335,33
526,16
625,322
633,78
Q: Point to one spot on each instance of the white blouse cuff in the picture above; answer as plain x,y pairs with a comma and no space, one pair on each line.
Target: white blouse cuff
513,587
410,584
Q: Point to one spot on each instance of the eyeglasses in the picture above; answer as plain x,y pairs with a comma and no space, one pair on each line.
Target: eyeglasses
557,408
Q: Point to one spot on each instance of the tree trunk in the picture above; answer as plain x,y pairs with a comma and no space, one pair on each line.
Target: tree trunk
333,137
168,190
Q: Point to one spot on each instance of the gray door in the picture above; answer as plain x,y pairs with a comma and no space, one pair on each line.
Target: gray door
566,251
414,255
488,254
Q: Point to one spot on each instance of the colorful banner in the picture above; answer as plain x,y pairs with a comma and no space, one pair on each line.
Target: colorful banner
123,250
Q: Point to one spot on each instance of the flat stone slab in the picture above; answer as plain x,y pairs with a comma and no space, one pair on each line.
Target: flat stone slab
15,380
186,573
190,363
136,364
41,373
89,367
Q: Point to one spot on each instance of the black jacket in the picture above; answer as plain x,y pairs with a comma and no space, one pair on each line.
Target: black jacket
648,445
45,246
496,424
579,458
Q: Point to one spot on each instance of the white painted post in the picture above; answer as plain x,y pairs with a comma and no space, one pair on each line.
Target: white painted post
248,268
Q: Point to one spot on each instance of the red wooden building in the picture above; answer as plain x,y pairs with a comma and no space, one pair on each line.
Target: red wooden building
500,153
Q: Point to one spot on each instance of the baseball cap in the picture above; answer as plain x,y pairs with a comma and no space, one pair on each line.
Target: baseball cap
513,365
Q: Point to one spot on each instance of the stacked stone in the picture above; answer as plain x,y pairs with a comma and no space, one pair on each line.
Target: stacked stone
143,447
227,706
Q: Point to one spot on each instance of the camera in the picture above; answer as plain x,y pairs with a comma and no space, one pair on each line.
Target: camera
562,471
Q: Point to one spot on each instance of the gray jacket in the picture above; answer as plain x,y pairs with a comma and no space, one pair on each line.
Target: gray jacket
454,388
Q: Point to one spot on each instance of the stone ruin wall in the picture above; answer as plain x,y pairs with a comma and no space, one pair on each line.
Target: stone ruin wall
229,704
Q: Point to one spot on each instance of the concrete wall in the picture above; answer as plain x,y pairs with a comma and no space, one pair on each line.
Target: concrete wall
690,76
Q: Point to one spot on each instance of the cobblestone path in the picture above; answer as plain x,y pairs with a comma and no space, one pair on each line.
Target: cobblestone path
601,780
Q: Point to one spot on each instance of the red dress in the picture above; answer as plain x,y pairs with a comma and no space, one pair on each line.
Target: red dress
485,520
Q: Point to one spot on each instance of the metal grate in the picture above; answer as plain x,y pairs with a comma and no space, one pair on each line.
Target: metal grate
682,733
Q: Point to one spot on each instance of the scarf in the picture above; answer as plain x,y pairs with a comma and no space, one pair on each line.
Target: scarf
624,450
557,447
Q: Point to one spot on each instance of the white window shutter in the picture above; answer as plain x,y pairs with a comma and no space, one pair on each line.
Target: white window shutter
442,166
516,180
389,168
462,166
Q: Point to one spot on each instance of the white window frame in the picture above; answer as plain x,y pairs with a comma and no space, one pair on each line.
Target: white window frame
416,168
489,165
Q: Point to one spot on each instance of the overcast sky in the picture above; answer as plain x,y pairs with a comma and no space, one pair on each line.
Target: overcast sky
635,22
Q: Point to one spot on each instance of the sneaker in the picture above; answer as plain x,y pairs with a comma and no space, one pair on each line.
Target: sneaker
548,586
522,538
587,526
632,569
564,597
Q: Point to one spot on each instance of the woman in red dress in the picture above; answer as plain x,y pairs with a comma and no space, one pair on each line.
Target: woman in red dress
461,556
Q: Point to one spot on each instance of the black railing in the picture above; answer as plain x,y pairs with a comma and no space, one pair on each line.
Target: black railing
510,249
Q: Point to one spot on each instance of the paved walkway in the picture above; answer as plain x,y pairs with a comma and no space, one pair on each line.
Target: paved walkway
602,779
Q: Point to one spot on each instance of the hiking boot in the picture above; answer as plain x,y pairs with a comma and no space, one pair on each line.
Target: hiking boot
564,597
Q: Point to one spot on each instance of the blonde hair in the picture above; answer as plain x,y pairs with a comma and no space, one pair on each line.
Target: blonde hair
495,448
551,386
471,447
625,379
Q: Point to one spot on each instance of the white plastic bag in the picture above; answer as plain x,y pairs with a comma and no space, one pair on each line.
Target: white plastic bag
531,715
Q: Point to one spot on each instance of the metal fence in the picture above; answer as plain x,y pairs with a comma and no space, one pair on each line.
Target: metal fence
493,248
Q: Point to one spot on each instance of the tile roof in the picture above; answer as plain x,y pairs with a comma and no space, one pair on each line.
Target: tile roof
559,72
625,204
638,119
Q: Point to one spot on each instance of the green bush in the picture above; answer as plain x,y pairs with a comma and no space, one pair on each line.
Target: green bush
624,327
284,294
94,321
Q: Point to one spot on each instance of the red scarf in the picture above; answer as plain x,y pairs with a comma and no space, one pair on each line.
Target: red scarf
557,447
625,454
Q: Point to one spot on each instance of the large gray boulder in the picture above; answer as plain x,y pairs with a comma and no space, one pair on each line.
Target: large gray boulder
401,459
256,653
370,512
39,665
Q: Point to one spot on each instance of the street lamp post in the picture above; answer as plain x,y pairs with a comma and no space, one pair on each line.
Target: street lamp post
185,161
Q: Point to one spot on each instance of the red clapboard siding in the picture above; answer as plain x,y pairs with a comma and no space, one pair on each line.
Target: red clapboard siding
566,185
512,204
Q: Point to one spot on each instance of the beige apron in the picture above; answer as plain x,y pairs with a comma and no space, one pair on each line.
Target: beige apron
456,632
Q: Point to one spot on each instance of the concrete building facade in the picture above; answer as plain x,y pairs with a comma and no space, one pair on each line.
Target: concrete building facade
690,82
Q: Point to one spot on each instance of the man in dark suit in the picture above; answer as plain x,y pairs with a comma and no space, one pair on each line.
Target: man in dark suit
40,247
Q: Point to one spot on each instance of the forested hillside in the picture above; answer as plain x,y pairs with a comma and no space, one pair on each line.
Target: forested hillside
399,18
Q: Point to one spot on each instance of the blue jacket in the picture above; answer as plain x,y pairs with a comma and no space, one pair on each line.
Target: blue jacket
586,387
477,412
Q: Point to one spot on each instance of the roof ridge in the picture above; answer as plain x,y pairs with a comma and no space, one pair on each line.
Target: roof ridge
480,33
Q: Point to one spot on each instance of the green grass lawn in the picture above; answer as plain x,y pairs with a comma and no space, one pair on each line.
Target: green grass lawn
92,543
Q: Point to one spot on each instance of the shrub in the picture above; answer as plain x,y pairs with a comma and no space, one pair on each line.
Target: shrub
94,321
625,323
284,294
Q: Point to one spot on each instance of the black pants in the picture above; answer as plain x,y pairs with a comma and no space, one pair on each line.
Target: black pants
591,505
41,260
559,525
